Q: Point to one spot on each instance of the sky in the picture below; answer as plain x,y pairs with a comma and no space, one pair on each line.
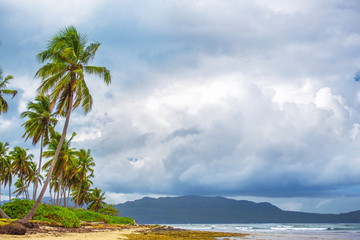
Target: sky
250,99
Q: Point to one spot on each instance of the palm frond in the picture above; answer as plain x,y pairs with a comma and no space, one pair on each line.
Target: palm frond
102,72
89,52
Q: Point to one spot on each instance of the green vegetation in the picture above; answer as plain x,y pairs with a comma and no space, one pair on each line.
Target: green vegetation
59,216
91,216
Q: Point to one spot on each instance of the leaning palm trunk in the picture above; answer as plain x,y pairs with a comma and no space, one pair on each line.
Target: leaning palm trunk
31,213
38,173
3,214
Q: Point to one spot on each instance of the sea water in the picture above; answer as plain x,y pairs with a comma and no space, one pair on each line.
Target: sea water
294,231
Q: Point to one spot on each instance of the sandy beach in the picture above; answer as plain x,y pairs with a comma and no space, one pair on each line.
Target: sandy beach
105,235
140,232
148,233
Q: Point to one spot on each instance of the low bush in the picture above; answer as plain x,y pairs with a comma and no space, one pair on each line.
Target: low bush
91,216
17,208
61,216
56,215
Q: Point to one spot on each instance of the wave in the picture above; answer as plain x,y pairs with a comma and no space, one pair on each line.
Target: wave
273,227
295,228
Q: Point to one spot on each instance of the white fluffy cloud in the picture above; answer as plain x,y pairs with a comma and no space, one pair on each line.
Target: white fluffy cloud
252,98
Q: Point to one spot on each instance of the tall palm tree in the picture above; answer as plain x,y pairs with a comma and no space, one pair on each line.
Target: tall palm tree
8,174
5,91
97,198
85,164
81,196
22,163
63,162
4,107
67,56
32,176
39,126
3,149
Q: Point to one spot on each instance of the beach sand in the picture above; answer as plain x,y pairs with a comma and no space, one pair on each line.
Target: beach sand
141,232
130,232
105,235
146,233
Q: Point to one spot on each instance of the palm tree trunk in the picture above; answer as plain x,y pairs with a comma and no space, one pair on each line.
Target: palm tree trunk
3,214
64,195
78,196
58,199
38,173
51,200
68,198
9,191
27,193
32,211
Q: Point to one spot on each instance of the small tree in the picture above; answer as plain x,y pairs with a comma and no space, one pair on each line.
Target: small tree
97,198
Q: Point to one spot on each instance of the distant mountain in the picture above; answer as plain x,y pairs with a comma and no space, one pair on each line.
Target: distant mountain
196,209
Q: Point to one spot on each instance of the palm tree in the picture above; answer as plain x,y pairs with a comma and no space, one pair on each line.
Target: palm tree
85,163
64,160
4,107
21,189
5,91
32,176
3,149
63,76
22,162
109,210
8,173
96,200
39,126
81,195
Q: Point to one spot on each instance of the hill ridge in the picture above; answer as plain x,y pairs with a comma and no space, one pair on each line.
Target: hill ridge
202,209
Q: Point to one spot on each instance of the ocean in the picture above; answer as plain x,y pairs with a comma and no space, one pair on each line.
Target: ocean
296,231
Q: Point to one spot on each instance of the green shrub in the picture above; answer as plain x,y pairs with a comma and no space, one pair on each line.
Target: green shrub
91,216
67,217
118,220
88,216
57,215
17,208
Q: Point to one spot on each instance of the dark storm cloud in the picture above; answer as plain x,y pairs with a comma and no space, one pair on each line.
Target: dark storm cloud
255,98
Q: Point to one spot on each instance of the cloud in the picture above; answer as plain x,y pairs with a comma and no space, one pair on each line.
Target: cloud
227,97
246,141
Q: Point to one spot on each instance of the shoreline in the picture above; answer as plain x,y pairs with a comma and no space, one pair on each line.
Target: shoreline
101,231
116,232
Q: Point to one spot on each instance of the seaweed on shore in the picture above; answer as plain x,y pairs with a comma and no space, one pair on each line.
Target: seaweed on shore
162,233
12,227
